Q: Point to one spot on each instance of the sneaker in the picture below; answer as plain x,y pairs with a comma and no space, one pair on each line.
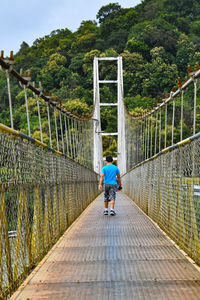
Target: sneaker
105,212
112,212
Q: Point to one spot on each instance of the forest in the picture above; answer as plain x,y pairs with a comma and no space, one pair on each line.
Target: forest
157,39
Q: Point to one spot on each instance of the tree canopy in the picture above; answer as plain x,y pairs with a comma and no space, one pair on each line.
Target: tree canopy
157,39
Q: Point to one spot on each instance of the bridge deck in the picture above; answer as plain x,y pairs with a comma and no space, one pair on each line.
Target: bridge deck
106,257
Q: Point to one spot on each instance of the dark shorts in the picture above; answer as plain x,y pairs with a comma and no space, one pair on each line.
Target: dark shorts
110,192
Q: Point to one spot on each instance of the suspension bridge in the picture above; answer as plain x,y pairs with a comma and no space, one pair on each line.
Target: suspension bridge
55,242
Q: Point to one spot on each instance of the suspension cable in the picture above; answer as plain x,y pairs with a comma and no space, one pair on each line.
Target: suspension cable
27,110
156,133
39,117
151,136
61,129
165,125
182,98
195,105
56,127
173,117
49,123
160,128
9,97
66,137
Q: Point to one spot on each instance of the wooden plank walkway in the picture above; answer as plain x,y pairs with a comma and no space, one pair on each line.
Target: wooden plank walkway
113,257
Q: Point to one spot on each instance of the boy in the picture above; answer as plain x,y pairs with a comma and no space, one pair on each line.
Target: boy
110,175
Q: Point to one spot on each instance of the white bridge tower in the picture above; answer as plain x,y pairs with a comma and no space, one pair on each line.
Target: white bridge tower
121,147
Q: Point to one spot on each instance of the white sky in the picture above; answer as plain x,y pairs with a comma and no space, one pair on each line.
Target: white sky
28,20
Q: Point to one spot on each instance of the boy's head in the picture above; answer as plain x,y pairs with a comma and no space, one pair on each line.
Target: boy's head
109,159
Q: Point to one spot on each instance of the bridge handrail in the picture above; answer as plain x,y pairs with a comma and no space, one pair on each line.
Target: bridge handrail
38,143
163,151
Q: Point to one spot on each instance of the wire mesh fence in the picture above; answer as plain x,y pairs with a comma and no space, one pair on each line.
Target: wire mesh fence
163,163
167,188
41,193
46,173
174,119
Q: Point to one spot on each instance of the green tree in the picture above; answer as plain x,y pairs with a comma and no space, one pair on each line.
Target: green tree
134,45
86,37
88,60
195,27
54,71
110,146
134,67
78,107
185,49
107,12
160,75
156,33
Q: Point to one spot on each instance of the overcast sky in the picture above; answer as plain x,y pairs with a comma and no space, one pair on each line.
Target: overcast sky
27,20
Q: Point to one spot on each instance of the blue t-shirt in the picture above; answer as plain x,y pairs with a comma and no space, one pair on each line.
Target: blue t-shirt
110,172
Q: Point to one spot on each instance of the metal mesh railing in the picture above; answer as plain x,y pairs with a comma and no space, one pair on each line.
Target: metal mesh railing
163,163
42,192
46,175
167,189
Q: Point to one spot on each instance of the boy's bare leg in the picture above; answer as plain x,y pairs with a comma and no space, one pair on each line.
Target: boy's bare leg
106,205
112,204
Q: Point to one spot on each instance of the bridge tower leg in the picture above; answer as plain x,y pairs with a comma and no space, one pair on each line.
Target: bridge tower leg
121,151
98,149
121,141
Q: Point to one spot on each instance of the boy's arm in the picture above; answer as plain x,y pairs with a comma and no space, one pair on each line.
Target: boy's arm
101,182
119,179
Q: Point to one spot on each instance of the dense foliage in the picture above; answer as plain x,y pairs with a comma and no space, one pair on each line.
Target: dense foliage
157,39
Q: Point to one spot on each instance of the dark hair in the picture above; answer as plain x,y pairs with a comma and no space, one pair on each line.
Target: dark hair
109,158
